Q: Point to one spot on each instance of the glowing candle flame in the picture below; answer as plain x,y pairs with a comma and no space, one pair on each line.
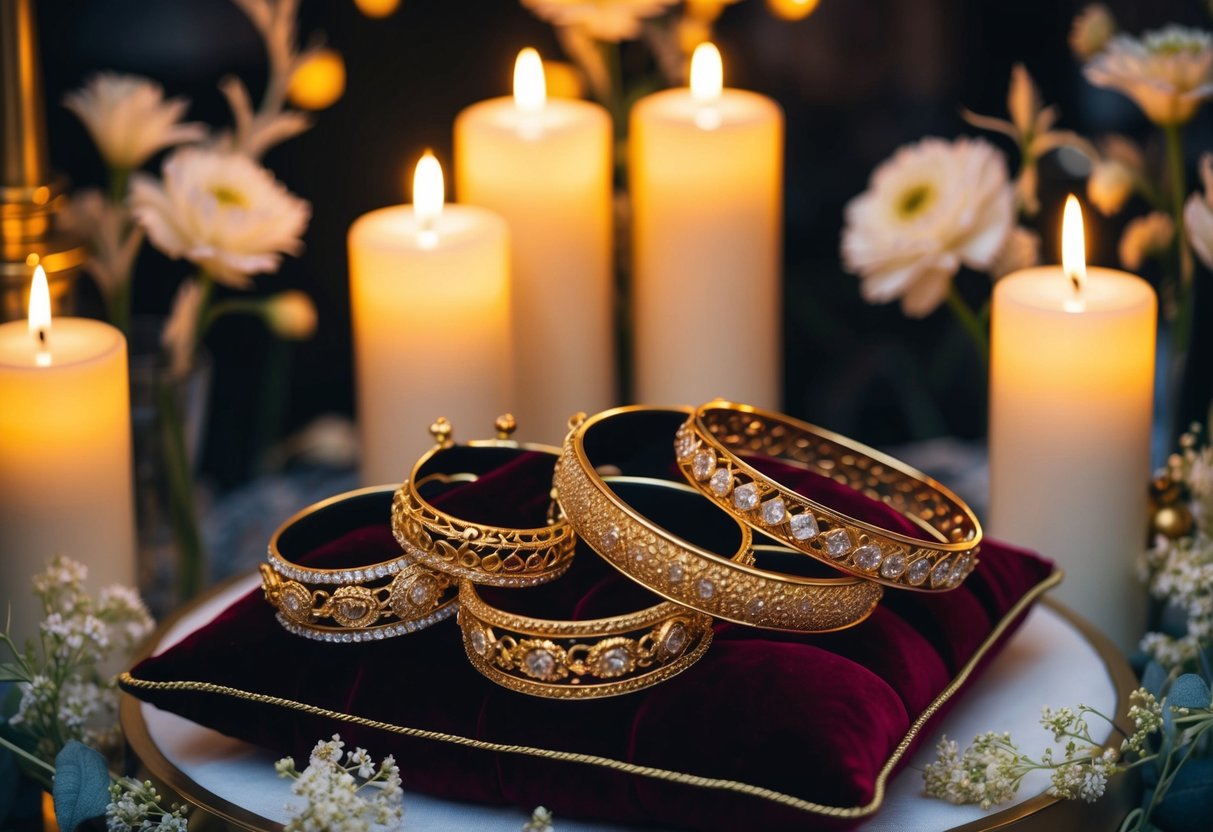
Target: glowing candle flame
707,74
429,191
530,86
1073,251
40,316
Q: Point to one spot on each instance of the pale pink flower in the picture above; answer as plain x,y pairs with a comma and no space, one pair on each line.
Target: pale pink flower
1198,214
1168,72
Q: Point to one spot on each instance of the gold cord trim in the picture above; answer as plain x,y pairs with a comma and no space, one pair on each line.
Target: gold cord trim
127,680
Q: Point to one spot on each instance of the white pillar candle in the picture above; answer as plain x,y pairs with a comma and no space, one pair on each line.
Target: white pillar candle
706,168
546,167
429,298
1071,384
66,483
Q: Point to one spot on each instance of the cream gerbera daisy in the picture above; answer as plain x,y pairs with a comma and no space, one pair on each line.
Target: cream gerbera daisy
1168,72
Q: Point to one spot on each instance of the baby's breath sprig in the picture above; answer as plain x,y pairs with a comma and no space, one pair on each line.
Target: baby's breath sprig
137,807
340,796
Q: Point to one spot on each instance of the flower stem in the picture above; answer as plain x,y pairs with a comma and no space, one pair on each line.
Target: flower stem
1178,189
28,757
971,323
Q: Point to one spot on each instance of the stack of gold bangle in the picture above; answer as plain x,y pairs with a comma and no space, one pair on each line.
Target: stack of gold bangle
611,491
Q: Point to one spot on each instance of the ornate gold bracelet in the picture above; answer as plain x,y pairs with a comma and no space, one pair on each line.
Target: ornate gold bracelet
709,446
482,553
728,586
587,659
365,603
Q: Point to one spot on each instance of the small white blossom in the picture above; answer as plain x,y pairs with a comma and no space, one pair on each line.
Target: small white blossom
113,239
291,315
129,118
1198,219
1145,237
135,807
1167,72
541,821
339,797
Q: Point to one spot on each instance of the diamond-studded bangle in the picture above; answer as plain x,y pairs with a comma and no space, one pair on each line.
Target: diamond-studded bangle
587,659
712,447
480,552
661,543
360,603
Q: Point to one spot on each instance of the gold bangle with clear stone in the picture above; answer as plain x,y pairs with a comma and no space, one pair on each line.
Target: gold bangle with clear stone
477,552
362,603
727,586
588,659
710,446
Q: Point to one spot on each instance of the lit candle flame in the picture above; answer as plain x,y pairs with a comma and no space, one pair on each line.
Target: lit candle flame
1073,251
40,316
530,86
707,81
429,191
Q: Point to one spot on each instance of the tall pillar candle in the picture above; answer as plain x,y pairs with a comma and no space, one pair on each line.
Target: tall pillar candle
706,168
66,483
545,166
429,298
1071,382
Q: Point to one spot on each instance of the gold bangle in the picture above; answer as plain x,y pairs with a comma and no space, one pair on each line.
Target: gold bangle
485,554
726,586
708,447
365,603
588,659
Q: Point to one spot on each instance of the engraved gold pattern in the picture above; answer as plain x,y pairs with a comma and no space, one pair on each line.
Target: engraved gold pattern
732,589
585,659
718,433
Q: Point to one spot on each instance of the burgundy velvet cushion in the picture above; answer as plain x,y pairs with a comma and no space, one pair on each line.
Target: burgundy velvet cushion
815,717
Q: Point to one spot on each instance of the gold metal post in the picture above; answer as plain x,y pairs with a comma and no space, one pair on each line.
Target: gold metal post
30,196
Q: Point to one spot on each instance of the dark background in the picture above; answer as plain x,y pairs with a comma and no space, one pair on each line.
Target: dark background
856,79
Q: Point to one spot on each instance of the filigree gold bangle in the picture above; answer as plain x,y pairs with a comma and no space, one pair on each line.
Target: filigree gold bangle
709,449
727,586
364,603
478,552
587,659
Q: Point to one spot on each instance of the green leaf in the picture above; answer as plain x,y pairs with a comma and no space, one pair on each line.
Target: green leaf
1190,691
81,785
12,672
1154,678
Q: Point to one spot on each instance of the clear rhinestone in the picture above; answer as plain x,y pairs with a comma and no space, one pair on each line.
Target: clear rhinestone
838,542
703,464
941,573
614,661
610,539
868,557
754,608
685,444
480,642
637,554
893,567
539,663
774,512
804,526
675,572
804,606
745,497
704,588
676,639
960,569
722,482
292,602
918,571
421,593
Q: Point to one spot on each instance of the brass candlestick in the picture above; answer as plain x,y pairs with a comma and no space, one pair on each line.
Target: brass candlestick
30,196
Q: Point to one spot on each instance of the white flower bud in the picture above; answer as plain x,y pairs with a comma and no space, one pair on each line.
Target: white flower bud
1145,236
1093,27
1109,186
291,315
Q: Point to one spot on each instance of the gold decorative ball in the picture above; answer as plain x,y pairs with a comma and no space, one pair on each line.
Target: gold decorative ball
1174,521
441,430
377,8
319,82
505,425
792,9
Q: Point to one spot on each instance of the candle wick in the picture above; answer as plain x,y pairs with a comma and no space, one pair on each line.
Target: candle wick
43,358
1076,283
